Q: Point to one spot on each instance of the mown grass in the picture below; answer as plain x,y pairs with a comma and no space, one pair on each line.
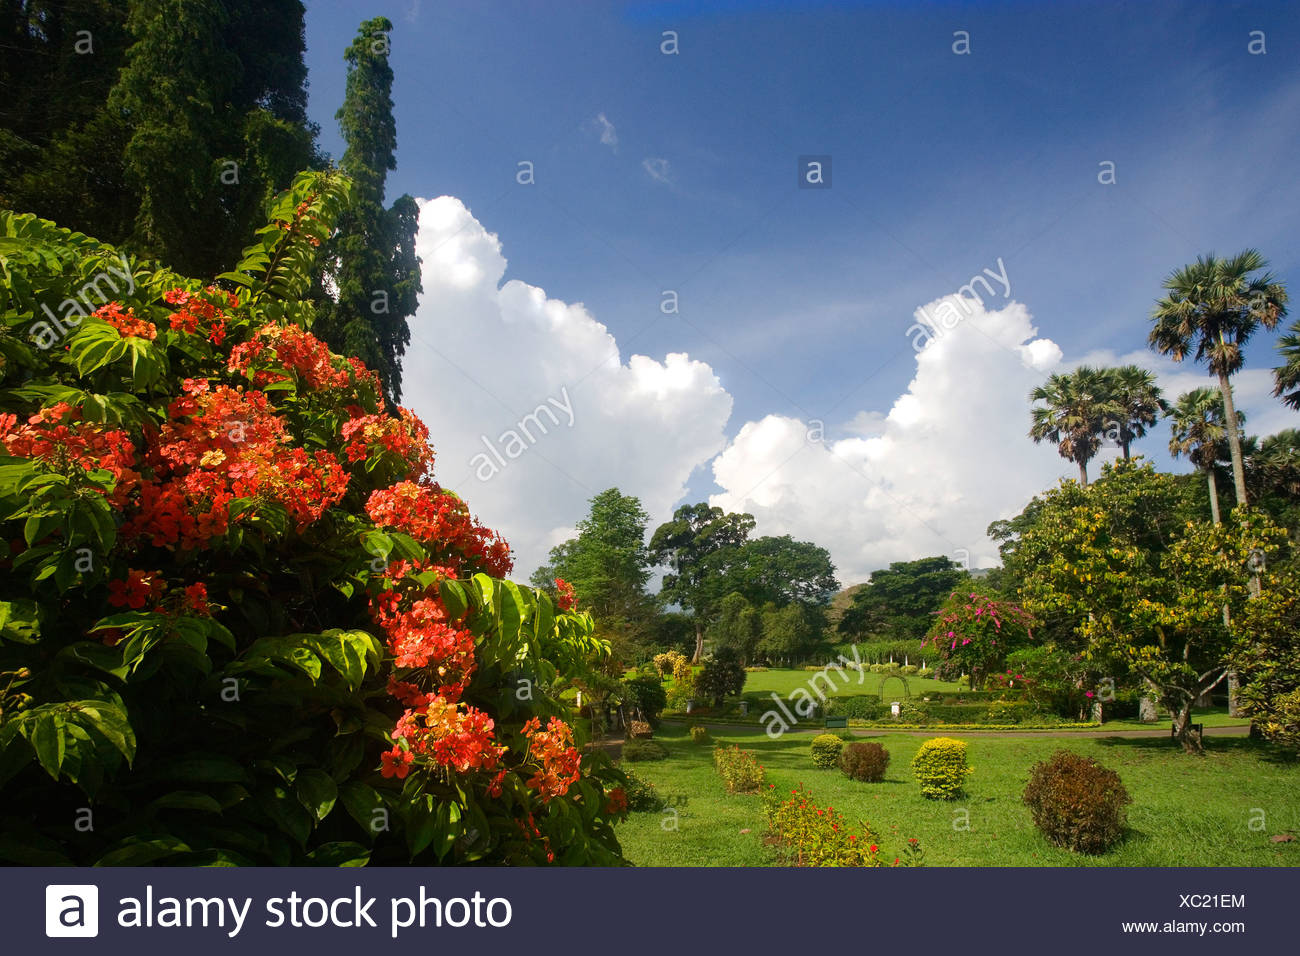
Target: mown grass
784,683
1186,811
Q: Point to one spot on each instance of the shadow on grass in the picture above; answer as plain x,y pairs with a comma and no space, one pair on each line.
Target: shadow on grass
1236,745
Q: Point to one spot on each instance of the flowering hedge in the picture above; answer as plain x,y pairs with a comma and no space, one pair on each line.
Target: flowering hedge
240,622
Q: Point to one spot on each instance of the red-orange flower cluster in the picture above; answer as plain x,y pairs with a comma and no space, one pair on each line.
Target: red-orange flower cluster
405,436
58,436
200,312
456,737
223,445
567,599
557,758
127,323
440,520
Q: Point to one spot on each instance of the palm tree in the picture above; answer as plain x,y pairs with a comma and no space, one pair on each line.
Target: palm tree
1135,391
1077,407
1200,432
1287,376
1212,308
1274,468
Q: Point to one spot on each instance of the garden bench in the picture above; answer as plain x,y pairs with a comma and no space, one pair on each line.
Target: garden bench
1199,729
837,723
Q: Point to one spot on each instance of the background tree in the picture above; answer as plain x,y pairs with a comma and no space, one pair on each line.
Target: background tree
1286,377
721,676
1144,588
1211,310
375,275
1199,433
192,115
696,544
1076,407
608,564
900,601
790,633
779,570
738,628
1137,398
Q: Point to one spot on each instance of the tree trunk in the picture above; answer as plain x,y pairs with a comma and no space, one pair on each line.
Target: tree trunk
1234,438
1083,473
1234,685
1124,446
1214,495
699,641
1189,739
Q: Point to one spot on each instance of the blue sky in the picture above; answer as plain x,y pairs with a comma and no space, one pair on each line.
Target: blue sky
799,301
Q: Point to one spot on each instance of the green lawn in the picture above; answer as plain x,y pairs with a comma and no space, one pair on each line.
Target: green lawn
784,682
1186,811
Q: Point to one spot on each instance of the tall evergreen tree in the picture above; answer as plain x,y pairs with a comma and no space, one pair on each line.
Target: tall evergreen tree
375,276
179,120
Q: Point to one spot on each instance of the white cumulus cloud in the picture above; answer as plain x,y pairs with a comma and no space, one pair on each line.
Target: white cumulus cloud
927,478
530,407
608,134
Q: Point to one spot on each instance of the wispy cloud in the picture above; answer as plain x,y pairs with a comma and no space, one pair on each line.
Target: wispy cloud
608,134
658,169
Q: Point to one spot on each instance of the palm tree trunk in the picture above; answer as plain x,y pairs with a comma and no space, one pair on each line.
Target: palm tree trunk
1083,473
1214,494
1234,438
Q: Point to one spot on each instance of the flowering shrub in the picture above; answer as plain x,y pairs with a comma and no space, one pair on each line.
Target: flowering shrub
238,616
739,769
810,835
940,767
666,663
641,794
1076,802
973,635
699,734
864,761
826,751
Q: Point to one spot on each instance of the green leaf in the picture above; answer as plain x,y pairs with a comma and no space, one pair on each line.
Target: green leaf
20,621
134,851
362,802
317,792
186,800
339,854
454,598
48,740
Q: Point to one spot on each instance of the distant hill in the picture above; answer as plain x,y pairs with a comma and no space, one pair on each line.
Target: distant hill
840,603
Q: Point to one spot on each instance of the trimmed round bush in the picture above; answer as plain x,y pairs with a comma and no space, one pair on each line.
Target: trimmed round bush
865,762
940,767
699,734
1077,803
826,751
636,750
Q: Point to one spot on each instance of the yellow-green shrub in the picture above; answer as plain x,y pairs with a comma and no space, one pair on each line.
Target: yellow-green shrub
826,751
940,767
699,734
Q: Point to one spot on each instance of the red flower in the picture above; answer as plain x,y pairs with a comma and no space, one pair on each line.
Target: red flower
396,762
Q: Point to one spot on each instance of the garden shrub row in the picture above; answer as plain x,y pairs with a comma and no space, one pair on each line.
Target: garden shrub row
637,750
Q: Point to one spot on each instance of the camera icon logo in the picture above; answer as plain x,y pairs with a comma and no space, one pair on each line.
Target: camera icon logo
71,909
